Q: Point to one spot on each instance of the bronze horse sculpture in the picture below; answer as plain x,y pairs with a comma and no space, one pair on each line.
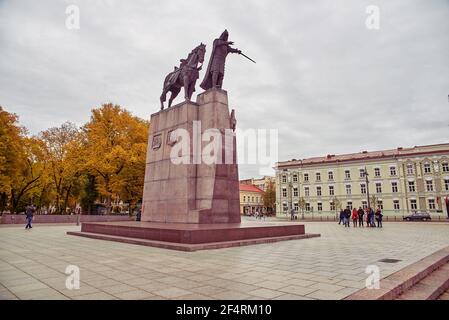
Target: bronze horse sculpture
184,76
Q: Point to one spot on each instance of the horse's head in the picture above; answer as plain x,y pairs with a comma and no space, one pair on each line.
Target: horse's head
201,51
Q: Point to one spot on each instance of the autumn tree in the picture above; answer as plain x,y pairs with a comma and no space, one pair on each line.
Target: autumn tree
21,163
269,196
114,151
62,171
89,193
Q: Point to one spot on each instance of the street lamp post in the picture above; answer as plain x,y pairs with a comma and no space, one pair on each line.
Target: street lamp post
367,187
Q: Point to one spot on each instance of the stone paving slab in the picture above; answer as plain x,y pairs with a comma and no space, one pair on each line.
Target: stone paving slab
33,264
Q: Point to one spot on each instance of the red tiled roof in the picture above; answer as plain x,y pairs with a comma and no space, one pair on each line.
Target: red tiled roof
365,155
250,188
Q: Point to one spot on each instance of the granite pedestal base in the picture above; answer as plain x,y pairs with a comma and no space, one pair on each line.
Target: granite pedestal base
192,237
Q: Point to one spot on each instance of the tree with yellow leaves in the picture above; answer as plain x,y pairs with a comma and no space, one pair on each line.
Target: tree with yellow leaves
114,148
21,163
61,171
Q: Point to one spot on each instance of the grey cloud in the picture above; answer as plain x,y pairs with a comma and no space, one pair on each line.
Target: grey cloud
326,82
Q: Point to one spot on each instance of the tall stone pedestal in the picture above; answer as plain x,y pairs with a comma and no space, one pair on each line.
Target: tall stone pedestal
194,191
191,191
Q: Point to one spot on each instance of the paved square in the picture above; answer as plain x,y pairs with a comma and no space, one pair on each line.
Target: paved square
33,264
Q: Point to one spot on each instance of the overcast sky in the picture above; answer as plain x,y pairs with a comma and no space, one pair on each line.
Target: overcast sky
323,79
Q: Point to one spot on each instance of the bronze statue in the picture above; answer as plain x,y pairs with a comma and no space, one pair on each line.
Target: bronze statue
184,76
216,68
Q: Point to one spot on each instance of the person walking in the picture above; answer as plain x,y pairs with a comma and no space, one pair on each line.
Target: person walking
379,216
292,214
342,217
29,216
360,213
355,217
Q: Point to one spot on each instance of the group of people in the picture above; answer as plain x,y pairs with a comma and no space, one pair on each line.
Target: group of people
357,217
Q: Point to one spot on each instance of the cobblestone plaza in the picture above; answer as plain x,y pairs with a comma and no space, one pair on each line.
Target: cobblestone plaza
33,264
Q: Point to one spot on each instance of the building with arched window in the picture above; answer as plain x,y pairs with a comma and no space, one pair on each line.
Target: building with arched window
400,181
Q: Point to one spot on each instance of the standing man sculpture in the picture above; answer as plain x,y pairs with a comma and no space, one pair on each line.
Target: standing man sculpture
216,68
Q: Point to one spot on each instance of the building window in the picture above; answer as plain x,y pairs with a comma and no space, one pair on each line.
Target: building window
377,172
330,175
348,189
427,168
349,205
445,167
244,198
318,191
332,205
378,187
295,178
413,204
364,204
380,204
409,168
396,205
394,187
431,204
252,199
284,179
362,173
319,206
363,188
411,186
429,185
296,206
284,192
331,190
306,177
284,207
347,174
295,192
307,206
306,191
392,171
446,184
318,176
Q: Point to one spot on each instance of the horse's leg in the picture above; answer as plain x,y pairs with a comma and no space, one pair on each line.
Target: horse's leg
174,93
191,88
163,98
186,87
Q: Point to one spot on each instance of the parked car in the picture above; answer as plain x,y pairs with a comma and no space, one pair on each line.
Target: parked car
418,216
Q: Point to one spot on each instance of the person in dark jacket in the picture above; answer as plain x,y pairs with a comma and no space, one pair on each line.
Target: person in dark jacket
29,216
342,216
139,215
361,213
379,216
347,216
368,217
